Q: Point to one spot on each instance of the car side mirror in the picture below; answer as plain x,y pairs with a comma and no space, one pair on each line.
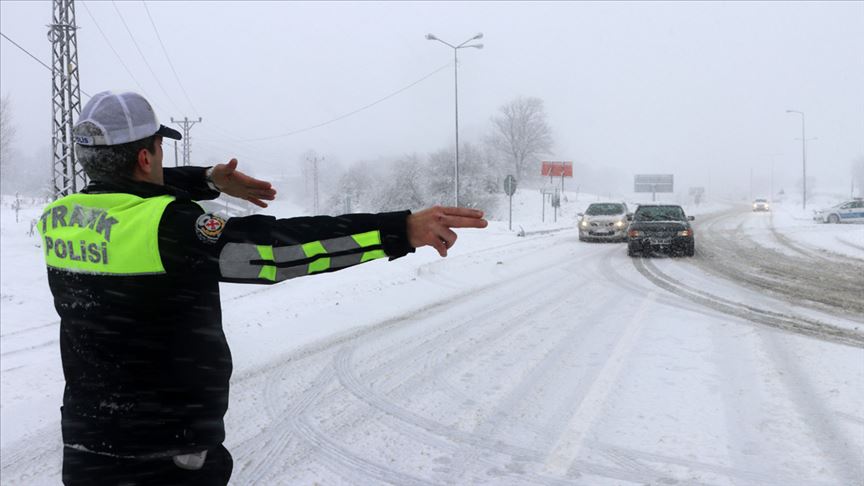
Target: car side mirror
629,216
690,218
580,214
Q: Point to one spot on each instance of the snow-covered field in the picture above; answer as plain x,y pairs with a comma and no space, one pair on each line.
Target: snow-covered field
515,360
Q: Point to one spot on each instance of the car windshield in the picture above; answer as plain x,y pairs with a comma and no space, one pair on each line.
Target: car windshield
604,209
660,213
761,200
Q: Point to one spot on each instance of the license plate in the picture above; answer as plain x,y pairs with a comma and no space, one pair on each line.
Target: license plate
661,241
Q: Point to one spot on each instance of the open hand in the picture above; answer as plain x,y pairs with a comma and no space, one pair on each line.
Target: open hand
432,226
235,183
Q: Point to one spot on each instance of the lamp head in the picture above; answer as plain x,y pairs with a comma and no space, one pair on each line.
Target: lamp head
478,36
431,37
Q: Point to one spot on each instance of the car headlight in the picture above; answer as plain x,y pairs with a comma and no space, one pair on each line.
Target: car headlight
686,232
634,233
619,224
584,224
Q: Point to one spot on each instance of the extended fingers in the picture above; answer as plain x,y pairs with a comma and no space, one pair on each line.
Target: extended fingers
455,217
265,193
257,202
257,183
466,212
463,222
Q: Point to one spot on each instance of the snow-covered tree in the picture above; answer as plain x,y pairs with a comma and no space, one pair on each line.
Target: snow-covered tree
521,134
439,179
478,178
403,187
353,190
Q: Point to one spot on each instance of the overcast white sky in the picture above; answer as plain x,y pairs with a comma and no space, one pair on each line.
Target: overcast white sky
696,89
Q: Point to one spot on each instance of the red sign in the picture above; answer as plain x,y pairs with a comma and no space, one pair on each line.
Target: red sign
557,169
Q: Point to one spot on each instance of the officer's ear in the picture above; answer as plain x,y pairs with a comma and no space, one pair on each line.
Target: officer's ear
143,165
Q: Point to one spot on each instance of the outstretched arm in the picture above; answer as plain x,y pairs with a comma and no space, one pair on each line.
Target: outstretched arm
262,249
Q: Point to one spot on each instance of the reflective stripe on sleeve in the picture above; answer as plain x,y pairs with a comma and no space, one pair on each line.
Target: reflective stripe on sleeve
267,264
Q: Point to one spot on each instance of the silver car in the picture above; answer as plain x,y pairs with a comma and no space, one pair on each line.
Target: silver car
845,212
604,221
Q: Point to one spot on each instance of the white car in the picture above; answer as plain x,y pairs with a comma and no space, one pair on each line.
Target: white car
604,221
761,205
845,212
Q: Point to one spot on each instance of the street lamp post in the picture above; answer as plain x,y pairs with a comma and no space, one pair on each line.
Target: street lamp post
803,158
456,92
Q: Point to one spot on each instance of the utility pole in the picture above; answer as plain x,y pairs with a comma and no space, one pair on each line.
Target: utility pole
314,160
68,174
803,159
186,124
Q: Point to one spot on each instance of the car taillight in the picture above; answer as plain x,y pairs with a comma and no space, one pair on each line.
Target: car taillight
634,233
685,233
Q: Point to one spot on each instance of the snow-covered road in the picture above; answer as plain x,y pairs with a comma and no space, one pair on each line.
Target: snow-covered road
572,364
543,360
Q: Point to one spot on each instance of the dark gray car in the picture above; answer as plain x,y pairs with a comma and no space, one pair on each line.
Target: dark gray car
660,228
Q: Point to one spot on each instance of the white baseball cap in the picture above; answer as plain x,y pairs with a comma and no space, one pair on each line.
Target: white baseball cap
114,119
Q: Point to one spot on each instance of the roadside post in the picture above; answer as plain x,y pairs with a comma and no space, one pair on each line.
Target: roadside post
555,169
510,189
556,202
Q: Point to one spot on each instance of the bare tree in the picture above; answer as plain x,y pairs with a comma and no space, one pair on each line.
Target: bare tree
7,136
521,134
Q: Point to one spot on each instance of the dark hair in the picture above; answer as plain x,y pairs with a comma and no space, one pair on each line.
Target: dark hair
111,162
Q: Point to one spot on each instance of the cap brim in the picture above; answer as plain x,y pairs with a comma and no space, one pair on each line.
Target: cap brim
168,133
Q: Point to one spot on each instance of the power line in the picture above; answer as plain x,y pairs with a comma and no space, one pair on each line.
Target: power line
346,115
225,133
25,51
105,37
34,57
171,64
144,58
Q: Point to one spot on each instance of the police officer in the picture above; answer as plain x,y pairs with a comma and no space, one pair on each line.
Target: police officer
134,265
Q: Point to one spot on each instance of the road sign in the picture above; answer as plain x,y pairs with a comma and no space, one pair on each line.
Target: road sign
557,169
510,185
653,183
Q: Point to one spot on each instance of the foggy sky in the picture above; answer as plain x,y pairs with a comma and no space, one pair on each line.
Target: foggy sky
695,89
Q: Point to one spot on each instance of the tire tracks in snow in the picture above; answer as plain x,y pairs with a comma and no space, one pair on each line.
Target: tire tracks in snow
403,361
793,324
810,251
410,354
820,284
826,433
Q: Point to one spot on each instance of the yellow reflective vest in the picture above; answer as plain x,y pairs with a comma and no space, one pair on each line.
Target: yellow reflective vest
112,234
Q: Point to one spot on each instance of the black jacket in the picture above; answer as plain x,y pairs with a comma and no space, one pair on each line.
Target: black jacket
146,362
